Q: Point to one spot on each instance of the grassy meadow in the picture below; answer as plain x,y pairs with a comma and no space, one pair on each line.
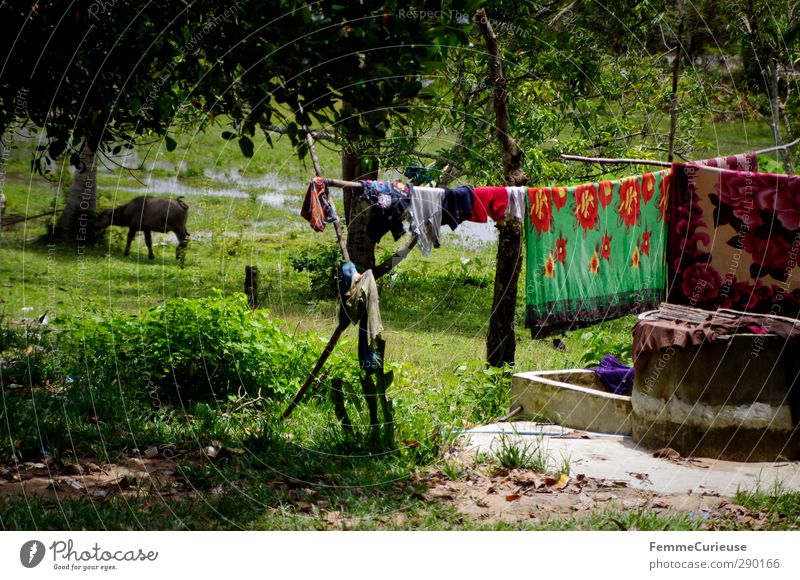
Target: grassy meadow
97,382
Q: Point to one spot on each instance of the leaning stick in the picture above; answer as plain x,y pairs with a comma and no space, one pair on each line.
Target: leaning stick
340,328
318,170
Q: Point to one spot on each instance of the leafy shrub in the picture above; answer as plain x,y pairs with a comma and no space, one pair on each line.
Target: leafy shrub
190,347
322,264
599,342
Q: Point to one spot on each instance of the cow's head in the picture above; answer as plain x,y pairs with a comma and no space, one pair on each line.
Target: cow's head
104,219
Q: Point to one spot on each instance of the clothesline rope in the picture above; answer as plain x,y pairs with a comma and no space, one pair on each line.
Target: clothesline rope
625,161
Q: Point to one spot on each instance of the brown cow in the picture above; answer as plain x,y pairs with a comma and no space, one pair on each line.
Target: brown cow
148,214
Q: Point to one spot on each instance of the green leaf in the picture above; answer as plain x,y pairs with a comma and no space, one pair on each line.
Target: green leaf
171,144
228,135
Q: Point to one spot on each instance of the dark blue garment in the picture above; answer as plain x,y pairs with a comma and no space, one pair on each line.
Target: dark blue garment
367,358
389,201
457,205
615,376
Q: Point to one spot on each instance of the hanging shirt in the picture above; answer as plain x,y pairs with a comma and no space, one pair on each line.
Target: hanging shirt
358,304
491,202
426,217
457,205
389,201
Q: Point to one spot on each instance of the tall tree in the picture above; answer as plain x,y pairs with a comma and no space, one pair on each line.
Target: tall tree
99,76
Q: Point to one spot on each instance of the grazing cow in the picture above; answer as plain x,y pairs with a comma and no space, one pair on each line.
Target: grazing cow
148,214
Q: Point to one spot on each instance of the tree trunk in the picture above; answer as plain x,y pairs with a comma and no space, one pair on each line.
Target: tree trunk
2,184
76,224
501,341
357,211
775,115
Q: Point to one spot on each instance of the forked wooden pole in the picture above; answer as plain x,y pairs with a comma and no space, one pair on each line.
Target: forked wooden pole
318,170
321,361
346,256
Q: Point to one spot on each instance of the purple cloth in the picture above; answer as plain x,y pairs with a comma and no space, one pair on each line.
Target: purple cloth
615,376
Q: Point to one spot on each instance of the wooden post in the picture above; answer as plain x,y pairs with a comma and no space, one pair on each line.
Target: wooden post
251,285
501,341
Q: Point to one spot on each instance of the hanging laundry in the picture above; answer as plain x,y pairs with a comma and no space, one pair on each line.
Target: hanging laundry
491,202
358,304
516,204
594,251
317,208
457,205
389,201
426,216
734,240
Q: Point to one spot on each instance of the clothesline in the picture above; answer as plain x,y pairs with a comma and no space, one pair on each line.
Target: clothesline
625,161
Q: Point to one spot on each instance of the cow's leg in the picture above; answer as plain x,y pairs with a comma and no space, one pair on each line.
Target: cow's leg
180,251
131,235
148,239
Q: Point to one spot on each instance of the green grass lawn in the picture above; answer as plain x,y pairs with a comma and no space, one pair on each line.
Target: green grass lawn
435,310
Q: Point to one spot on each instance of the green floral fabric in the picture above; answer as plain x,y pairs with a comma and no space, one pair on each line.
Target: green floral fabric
594,251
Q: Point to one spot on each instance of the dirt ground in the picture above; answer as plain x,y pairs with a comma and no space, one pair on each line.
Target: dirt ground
486,494
481,493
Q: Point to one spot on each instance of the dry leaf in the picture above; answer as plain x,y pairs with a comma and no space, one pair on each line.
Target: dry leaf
513,497
667,453
562,481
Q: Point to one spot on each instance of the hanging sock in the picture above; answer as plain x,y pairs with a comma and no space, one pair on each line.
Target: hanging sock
426,217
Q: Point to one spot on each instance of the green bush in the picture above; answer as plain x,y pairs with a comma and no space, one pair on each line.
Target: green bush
189,348
322,264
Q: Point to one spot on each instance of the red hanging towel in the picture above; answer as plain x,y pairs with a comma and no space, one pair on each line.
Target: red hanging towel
491,202
315,204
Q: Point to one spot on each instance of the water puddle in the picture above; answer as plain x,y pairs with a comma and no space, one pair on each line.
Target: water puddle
471,235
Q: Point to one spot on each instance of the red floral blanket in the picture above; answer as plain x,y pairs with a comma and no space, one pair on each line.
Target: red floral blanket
734,240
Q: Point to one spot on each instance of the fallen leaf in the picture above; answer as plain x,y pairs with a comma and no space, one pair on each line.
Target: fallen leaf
562,481
667,453
641,477
151,452
513,497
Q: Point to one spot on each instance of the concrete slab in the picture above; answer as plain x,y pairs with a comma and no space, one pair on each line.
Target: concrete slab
617,458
